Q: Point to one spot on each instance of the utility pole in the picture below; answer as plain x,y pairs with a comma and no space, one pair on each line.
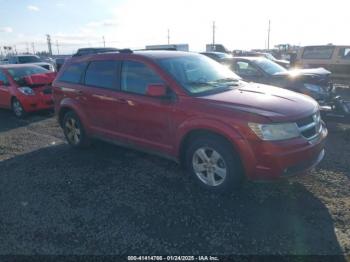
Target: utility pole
214,27
104,41
168,36
27,47
15,49
268,36
33,47
58,50
49,45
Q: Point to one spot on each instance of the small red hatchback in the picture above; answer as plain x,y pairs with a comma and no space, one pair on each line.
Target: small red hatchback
190,108
25,88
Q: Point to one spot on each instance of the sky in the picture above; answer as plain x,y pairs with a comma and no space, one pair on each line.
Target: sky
136,23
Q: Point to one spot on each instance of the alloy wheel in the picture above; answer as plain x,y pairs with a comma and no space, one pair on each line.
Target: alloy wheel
209,166
73,131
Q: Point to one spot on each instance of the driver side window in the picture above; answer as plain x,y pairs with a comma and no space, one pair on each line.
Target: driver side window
246,69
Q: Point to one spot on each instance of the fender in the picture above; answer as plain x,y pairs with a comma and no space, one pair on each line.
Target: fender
69,103
240,144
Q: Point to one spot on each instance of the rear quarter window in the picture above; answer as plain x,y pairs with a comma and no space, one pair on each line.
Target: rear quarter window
318,52
73,73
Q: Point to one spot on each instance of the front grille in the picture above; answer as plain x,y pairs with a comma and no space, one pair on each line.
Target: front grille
47,91
311,126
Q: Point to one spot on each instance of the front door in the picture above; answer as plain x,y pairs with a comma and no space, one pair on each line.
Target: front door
143,120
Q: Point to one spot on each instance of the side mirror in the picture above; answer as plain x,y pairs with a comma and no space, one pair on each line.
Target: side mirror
2,83
156,90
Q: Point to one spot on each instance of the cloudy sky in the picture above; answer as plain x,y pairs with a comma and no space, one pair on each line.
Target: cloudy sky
136,23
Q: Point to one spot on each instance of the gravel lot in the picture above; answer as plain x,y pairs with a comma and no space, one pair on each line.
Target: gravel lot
110,200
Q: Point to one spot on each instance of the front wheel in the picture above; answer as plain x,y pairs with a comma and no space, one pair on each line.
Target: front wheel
213,163
74,131
18,109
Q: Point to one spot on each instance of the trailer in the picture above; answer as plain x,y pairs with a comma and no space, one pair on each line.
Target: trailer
177,47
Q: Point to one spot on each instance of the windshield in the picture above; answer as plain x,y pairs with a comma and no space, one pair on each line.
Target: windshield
269,67
199,74
28,59
269,56
223,55
19,72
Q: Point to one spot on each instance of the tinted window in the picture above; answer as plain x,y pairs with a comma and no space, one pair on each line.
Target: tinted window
318,52
137,76
3,78
269,66
246,69
28,59
73,73
344,53
102,74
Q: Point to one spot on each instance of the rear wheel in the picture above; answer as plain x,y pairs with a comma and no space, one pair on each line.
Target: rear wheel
213,164
74,131
17,108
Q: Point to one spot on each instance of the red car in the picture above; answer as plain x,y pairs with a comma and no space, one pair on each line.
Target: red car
189,108
25,88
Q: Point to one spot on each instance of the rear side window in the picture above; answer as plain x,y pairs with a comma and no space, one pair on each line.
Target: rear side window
102,74
73,73
137,76
318,52
344,53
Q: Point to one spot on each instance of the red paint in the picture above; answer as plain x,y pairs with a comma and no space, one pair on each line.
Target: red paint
160,125
39,82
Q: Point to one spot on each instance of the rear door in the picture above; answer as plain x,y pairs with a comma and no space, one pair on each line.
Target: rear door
101,85
5,95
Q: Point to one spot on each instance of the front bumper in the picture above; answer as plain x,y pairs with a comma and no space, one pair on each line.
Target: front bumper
275,160
38,102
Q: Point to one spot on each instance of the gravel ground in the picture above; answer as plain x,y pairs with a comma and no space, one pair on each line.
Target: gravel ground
110,200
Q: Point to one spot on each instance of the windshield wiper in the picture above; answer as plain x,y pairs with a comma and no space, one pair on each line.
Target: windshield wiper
199,83
225,80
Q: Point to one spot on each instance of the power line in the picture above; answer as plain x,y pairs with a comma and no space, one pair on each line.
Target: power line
49,45
214,27
168,36
268,35
58,50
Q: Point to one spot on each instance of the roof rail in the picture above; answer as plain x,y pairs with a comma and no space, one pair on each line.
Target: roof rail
94,51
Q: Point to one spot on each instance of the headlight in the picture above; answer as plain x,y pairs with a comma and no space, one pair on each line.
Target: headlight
26,91
314,88
274,132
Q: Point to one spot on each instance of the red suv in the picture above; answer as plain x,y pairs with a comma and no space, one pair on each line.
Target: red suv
25,88
190,108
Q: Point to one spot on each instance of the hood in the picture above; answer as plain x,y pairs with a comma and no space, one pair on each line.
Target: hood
280,61
277,104
303,72
39,79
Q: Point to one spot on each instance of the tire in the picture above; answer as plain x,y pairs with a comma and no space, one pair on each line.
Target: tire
18,109
74,131
213,164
